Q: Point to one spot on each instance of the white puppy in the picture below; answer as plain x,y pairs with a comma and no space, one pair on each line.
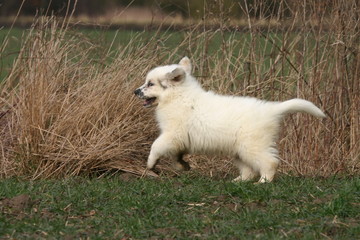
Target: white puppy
193,120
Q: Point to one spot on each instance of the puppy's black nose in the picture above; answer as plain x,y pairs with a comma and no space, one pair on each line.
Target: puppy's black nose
137,91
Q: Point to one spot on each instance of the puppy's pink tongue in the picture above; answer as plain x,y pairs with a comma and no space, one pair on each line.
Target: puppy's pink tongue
149,102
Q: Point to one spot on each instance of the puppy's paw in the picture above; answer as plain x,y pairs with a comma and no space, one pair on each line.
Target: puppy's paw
241,179
237,179
181,166
150,165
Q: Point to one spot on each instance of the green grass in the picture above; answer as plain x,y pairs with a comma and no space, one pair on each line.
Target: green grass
102,39
181,208
11,51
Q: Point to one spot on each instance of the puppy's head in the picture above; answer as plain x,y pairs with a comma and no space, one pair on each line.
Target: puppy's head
159,80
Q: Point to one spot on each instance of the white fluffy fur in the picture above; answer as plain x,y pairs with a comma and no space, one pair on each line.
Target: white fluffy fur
193,120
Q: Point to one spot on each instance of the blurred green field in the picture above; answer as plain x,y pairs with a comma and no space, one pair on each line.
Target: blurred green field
251,56
105,41
12,40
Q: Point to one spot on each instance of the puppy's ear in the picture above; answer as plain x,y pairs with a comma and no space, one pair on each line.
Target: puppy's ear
176,76
185,63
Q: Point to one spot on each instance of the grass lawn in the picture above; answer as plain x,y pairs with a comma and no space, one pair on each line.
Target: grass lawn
189,206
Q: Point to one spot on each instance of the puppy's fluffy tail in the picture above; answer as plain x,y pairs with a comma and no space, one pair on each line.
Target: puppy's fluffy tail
299,105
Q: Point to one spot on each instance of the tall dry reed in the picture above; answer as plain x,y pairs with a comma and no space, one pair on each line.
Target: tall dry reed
68,112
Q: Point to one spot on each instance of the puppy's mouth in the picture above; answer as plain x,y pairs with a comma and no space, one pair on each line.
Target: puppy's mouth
149,101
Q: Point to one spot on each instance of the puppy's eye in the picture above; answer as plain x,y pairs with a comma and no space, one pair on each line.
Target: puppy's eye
150,84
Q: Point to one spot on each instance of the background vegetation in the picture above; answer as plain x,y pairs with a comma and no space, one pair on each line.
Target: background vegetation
67,106
189,9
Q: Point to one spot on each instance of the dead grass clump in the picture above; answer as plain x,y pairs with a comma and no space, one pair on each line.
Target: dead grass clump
68,113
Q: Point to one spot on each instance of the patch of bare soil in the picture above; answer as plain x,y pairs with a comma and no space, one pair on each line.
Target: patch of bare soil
16,206
166,232
128,177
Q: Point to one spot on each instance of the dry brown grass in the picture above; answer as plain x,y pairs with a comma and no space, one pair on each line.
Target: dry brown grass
66,111
70,114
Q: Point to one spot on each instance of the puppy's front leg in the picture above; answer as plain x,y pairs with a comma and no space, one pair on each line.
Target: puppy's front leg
161,146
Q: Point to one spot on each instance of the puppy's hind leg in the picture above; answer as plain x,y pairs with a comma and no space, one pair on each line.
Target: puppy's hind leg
246,172
268,164
264,162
